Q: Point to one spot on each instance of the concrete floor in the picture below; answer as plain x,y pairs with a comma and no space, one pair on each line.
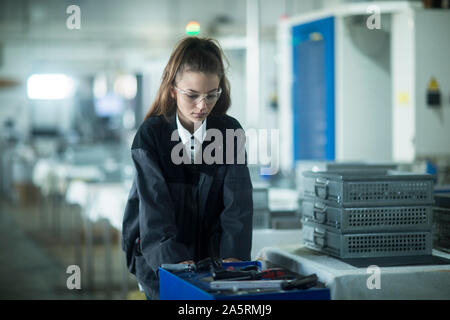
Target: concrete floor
33,260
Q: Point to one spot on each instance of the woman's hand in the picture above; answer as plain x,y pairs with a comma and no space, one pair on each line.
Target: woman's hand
231,260
187,262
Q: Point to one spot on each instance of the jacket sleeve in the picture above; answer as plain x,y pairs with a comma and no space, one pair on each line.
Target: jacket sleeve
130,227
237,217
156,212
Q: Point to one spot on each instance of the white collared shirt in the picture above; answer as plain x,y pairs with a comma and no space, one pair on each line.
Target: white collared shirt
192,142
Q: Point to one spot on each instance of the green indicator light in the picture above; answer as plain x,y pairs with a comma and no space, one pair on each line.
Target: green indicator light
193,28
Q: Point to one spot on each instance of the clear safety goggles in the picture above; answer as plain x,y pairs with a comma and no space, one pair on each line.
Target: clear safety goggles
196,98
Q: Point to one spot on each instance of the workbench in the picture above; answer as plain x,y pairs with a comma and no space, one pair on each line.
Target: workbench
348,282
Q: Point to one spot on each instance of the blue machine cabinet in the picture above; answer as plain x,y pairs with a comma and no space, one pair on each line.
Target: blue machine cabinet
313,90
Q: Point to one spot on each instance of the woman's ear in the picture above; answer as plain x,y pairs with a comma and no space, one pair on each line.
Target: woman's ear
173,93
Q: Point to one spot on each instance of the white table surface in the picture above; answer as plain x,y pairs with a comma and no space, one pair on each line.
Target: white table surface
348,282
100,200
53,176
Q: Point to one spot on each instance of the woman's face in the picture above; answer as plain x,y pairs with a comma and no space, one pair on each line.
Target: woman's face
190,86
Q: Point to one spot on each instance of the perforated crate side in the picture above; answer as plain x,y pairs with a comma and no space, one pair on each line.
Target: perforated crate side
402,192
387,244
369,219
369,189
401,218
365,245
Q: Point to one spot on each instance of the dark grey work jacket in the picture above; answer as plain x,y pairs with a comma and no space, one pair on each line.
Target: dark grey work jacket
186,211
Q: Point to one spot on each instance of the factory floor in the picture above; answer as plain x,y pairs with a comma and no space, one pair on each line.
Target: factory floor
34,260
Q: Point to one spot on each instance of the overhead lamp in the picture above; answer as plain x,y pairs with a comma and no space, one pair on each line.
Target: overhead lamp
50,86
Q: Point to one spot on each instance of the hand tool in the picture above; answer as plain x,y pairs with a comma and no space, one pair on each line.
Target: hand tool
305,282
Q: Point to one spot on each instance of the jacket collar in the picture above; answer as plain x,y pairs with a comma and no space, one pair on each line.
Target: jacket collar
172,126
172,119
185,135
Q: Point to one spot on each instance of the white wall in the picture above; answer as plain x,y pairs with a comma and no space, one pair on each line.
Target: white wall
403,89
363,90
236,76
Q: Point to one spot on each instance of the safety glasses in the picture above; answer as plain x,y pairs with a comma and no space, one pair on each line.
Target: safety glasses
196,98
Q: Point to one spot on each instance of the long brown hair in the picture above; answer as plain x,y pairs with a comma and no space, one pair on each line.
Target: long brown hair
193,54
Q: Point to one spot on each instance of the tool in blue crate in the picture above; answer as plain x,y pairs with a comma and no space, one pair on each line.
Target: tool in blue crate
200,285
300,283
178,267
252,274
249,278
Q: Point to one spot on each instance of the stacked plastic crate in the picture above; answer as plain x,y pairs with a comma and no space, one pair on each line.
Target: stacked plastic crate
359,214
315,165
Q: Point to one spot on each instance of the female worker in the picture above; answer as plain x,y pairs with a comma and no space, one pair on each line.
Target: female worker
192,195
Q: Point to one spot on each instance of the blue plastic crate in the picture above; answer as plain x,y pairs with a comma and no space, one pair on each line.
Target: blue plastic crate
186,286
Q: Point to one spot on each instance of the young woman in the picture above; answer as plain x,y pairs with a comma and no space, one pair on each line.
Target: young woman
200,207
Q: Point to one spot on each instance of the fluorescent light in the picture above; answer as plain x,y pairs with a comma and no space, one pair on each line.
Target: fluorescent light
50,86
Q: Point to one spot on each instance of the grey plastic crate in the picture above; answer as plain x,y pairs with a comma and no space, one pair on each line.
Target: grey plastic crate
368,219
311,165
369,188
365,245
